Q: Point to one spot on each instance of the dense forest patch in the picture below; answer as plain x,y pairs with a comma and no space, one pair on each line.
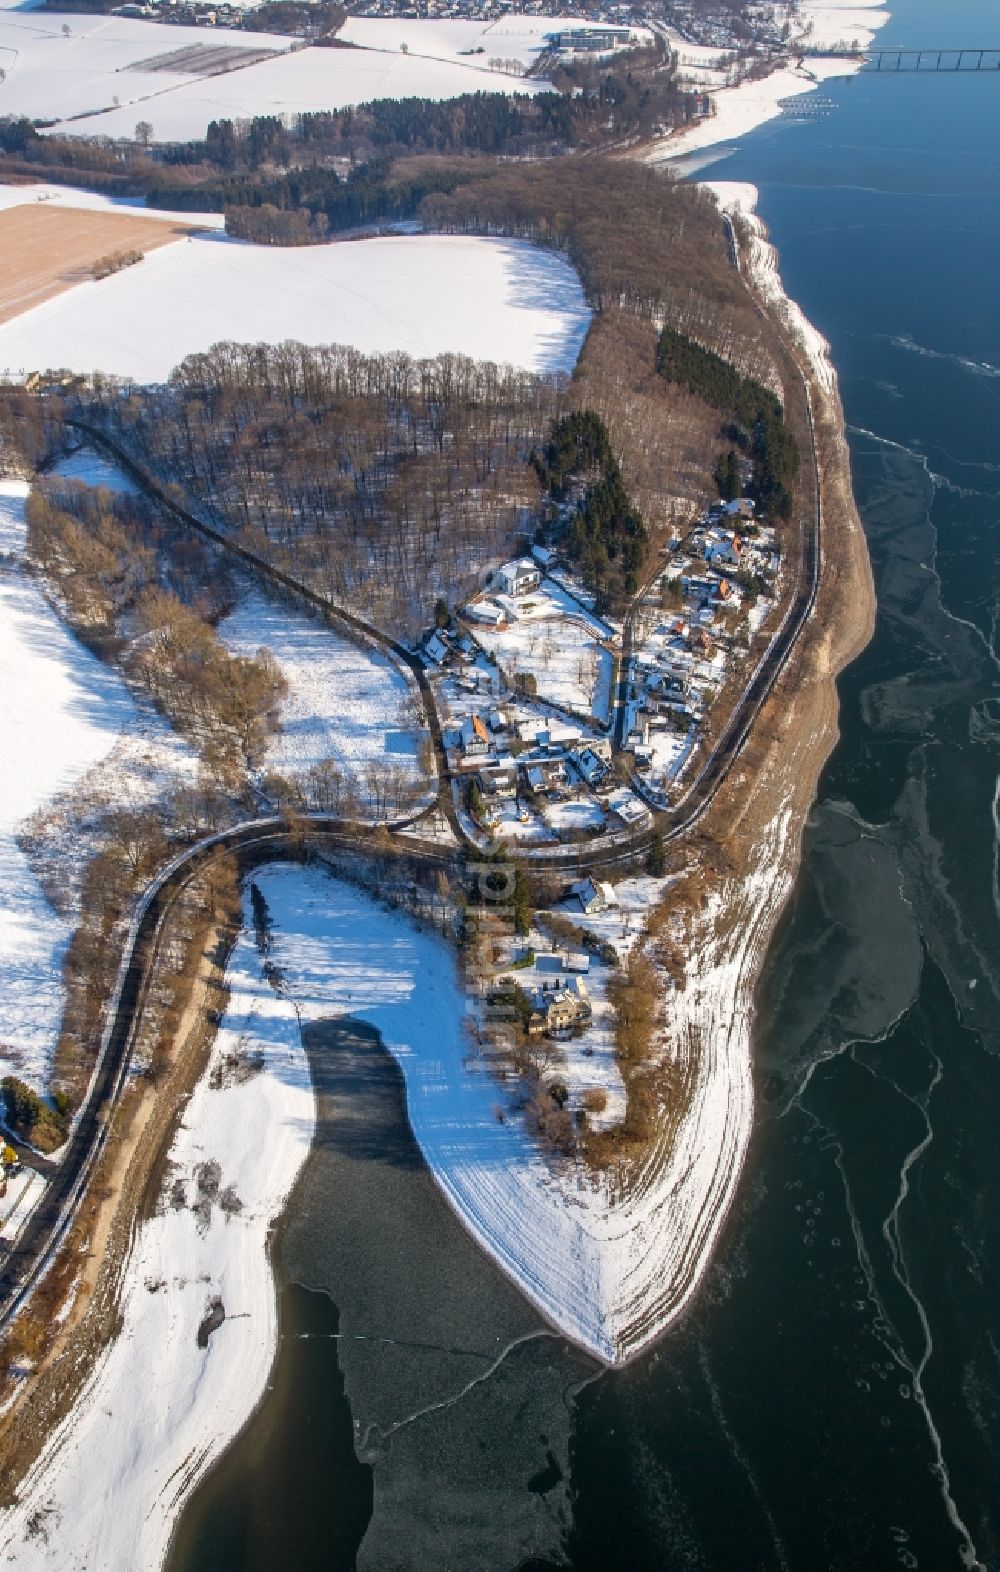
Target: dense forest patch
756,422
604,533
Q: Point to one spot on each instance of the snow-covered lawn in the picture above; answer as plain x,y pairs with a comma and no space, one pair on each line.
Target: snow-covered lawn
343,704
670,751
576,813
519,823
621,925
62,713
555,640
586,1063
496,300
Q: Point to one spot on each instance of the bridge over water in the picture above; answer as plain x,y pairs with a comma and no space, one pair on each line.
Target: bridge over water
891,60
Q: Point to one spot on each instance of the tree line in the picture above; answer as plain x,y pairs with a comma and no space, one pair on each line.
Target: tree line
114,262
117,592
592,104
380,481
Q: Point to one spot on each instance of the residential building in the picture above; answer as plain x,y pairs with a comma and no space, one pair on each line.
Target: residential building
499,781
594,896
517,578
475,737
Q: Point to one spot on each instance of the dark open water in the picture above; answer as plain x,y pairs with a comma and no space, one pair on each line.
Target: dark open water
833,1400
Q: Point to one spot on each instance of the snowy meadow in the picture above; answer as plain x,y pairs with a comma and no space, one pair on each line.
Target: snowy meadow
504,301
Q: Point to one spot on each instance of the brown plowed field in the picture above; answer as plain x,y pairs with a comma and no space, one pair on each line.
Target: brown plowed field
44,250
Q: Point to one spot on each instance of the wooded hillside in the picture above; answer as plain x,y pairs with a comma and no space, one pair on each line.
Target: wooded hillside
381,481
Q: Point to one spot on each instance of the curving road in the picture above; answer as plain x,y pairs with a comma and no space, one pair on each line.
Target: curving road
607,852
37,1244
252,842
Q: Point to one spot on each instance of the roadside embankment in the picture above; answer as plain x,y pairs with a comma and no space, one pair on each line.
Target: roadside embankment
50,1351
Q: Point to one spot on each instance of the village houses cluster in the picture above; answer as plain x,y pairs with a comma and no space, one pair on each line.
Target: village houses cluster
524,681
610,28
693,629
533,686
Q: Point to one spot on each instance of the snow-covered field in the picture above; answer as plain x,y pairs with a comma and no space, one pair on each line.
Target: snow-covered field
575,813
343,704
53,75
159,1409
62,714
181,107
822,24
91,469
499,300
24,1191
512,37
95,201
831,24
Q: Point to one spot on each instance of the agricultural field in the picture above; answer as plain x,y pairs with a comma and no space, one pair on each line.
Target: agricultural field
307,80
494,300
516,40
101,75
59,68
45,249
